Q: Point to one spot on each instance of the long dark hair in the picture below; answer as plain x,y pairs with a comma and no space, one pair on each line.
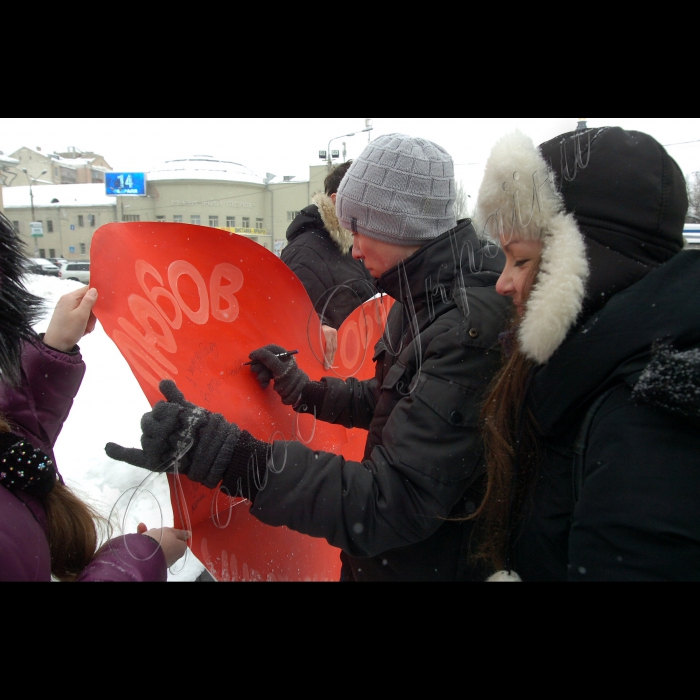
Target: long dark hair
19,310
74,529
510,444
510,447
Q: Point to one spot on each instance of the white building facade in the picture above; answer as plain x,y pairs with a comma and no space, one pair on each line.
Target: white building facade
200,190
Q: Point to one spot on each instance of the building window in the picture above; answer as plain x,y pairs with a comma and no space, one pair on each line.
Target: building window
82,249
42,253
91,220
15,226
214,221
291,215
52,252
49,228
132,217
246,222
68,176
177,218
259,224
160,218
196,219
230,222
81,221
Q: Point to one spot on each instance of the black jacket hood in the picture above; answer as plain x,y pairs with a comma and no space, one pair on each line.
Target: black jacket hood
309,219
619,342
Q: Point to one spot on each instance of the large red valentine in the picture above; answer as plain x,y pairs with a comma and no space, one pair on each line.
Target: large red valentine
190,303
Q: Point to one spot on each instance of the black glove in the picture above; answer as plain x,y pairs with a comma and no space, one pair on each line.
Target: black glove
177,432
290,381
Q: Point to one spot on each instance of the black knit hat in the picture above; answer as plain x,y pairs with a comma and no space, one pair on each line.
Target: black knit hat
19,310
630,201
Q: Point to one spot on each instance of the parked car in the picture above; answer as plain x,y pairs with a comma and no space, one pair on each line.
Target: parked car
692,235
78,270
40,266
58,261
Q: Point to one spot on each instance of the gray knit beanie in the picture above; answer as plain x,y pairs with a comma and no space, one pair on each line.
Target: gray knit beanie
401,190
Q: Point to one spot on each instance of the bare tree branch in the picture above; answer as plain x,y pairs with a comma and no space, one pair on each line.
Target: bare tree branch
694,199
462,202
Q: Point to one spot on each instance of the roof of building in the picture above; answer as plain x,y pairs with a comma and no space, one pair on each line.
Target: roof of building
6,160
203,168
90,195
62,160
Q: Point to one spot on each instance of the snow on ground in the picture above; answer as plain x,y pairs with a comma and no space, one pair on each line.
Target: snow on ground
108,408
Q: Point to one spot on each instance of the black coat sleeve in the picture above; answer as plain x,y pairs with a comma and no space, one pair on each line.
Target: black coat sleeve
431,453
637,517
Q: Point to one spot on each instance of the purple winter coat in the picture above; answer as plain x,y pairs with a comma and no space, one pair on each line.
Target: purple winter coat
37,410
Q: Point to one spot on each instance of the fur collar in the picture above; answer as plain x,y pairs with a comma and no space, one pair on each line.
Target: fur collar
671,382
518,197
340,236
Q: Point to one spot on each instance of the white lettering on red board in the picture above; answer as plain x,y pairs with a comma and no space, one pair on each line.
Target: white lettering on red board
143,344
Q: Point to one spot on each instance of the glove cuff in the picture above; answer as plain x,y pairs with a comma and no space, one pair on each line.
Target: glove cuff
312,397
247,471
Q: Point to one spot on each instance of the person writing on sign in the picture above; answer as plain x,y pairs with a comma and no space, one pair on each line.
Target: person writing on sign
400,514
319,253
45,529
593,424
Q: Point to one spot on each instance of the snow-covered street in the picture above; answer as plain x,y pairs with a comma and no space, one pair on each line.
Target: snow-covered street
108,408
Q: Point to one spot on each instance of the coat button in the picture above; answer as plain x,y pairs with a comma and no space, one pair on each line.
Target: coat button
473,333
456,417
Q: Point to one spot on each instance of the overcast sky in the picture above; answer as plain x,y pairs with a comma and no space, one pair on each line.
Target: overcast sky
289,146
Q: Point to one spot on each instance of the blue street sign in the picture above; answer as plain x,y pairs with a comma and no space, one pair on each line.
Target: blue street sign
71,249
72,227
125,184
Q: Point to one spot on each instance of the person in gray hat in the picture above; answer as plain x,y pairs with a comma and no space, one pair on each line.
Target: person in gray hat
401,513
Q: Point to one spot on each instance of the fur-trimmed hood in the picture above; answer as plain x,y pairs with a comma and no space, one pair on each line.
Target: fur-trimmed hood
609,206
340,236
519,199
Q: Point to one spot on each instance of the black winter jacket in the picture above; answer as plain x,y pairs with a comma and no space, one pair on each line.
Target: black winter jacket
624,389
319,255
424,458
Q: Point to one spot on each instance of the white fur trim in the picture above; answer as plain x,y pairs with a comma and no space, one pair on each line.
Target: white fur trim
340,236
518,197
505,577
556,299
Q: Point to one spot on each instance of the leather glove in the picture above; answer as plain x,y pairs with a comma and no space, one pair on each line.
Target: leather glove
290,381
178,433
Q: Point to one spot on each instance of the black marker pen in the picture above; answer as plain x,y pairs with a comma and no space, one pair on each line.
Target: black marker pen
281,356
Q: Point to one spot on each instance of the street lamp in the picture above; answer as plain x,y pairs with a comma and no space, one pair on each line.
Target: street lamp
31,181
330,154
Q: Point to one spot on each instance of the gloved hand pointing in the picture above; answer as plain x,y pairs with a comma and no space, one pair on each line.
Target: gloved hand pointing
290,381
177,432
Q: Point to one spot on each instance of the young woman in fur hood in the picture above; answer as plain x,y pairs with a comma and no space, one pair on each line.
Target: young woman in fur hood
593,425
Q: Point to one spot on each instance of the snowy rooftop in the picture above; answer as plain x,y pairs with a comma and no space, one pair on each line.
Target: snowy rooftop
67,162
91,195
203,168
6,160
